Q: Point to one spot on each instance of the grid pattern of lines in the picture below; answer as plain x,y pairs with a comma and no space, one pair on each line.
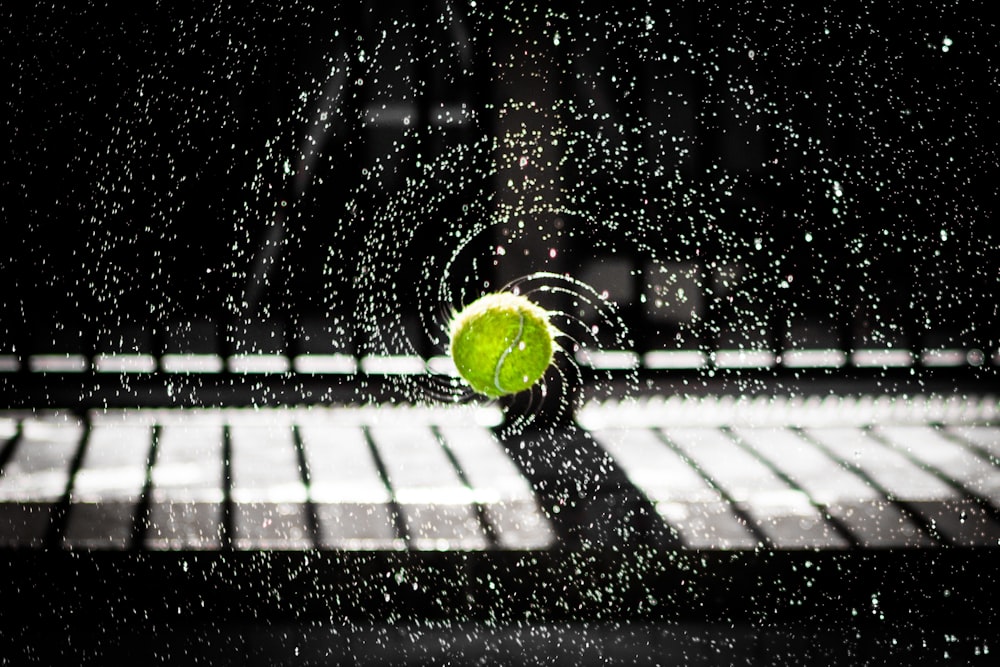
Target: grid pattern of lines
726,475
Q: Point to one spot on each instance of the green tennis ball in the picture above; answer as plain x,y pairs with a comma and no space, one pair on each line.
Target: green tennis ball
501,343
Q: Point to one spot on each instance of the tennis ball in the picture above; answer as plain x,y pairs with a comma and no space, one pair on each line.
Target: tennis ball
501,343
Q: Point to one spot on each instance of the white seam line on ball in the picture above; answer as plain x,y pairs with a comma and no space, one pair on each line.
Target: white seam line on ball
506,353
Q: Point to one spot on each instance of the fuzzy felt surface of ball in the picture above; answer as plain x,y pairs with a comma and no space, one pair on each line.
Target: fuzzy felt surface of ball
501,343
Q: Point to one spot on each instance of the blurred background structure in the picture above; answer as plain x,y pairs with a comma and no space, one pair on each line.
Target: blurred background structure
234,235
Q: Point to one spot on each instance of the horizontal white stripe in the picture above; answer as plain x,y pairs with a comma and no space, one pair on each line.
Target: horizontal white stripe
608,359
667,359
743,358
191,363
124,363
259,363
874,358
943,357
752,411
813,358
342,364
401,364
442,364
58,363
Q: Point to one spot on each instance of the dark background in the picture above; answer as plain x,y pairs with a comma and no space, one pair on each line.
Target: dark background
149,154
216,177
